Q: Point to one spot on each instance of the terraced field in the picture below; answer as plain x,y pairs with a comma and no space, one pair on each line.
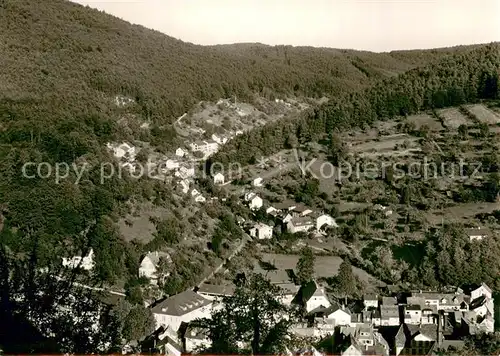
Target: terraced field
484,114
453,118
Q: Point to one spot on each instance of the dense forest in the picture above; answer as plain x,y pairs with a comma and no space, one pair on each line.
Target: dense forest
62,66
458,79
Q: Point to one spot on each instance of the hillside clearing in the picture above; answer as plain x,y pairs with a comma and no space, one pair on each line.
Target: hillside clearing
484,114
453,118
425,120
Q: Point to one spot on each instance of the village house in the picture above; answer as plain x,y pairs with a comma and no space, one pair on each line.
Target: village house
184,185
311,296
299,224
340,315
195,338
150,263
389,312
85,262
254,201
221,140
180,152
124,150
200,199
219,178
323,220
261,231
257,182
206,147
185,172
370,301
171,164
477,233
362,340
162,341
183,307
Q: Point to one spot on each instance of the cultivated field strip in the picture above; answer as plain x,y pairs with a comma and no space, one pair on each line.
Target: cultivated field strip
453,118
483,114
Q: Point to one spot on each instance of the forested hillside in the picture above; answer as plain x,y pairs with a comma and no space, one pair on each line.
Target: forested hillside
460,78
59,54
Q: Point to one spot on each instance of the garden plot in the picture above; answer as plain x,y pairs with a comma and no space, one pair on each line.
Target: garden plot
453,118
387,143
484,114
423,119
325,266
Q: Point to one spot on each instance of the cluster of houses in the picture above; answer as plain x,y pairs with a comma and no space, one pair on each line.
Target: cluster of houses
290,216
418,323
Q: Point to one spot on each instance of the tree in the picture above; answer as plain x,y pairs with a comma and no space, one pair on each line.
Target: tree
346,282
305,265
138,323
252,320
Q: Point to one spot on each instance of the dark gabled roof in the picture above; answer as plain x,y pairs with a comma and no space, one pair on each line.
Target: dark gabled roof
306,292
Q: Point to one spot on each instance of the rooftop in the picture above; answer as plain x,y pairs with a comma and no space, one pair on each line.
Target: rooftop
216,289
181,304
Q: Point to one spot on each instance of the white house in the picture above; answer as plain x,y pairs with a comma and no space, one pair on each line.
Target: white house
257,182
254,201
195,339
122,150
477,234
340,315
205,147
413,314
200,199
180,152
183,307
219,139
184,185
171,164
194,192
185,172
149,265
262,231
311,296
325,220
86,262
370,301
219,178
483,289
299,224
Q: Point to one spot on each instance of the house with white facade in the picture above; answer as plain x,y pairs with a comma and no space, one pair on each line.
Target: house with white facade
170,164
221,140
124,150
184,185
477,233
195,339
149,265
183,307
206,147
311,296
180,152
200,199
219,178
185,172
261,231
257,182
86,262
370,301
323,220
340,315
254,201
299,224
